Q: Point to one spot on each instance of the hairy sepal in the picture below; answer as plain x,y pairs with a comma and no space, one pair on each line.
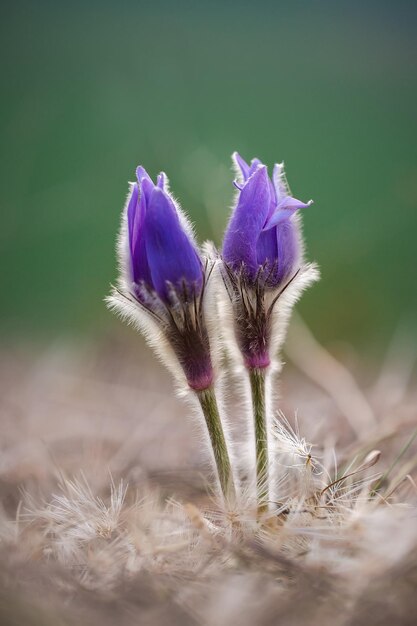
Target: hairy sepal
133,313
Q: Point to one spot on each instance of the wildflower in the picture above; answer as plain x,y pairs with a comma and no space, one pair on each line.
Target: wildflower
163,258
262,237
162,290
262,255
263,271
164,275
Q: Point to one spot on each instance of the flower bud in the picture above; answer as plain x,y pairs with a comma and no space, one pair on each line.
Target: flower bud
262,259
162,280
162,255
262,238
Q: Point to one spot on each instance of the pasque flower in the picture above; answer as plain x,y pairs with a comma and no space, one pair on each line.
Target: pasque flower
163,257
262,236
264,273
161,289
262,254
164,274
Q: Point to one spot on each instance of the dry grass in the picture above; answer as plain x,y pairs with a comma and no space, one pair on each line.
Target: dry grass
106,516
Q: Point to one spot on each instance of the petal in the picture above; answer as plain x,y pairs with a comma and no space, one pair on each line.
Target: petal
285,209
171,255
254,164
161,181
135,218
247,221
279,181
145,183
266,248
142,174
288,251
242,165
246,170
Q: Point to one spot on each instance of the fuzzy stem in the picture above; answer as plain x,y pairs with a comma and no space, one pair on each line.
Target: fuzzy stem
257,382
208,402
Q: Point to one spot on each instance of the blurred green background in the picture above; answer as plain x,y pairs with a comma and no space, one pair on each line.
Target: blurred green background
91,89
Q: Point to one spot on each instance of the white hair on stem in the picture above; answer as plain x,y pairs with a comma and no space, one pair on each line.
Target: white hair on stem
280,305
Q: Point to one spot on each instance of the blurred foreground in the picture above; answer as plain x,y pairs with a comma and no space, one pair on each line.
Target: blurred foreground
106,517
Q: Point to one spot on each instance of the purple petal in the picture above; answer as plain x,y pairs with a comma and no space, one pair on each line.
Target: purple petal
161,181
243,166
266,248
279,181
285,209
246,170
135,219
142,174
254,164
247,222
171,255
133,215
288,252
293,204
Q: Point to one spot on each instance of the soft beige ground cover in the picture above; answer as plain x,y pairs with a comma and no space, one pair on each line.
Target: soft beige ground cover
106,517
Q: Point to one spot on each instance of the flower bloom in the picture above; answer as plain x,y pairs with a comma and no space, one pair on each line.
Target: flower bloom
163,259
262,256
163,278
262,235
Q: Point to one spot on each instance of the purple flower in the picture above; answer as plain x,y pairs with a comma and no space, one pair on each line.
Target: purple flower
262,238
262,256
162,255
164,278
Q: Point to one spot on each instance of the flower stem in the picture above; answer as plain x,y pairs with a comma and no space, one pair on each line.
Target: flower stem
257,383
208,402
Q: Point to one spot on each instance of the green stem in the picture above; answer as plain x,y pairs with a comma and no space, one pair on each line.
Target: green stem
208,402
257,383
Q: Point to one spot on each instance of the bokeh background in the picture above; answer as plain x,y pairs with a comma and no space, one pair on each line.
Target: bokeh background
91,89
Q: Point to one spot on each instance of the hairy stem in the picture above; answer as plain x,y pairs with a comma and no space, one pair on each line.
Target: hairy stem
257,383
208,402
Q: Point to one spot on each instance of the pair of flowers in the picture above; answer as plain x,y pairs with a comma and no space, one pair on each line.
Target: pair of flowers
190,302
